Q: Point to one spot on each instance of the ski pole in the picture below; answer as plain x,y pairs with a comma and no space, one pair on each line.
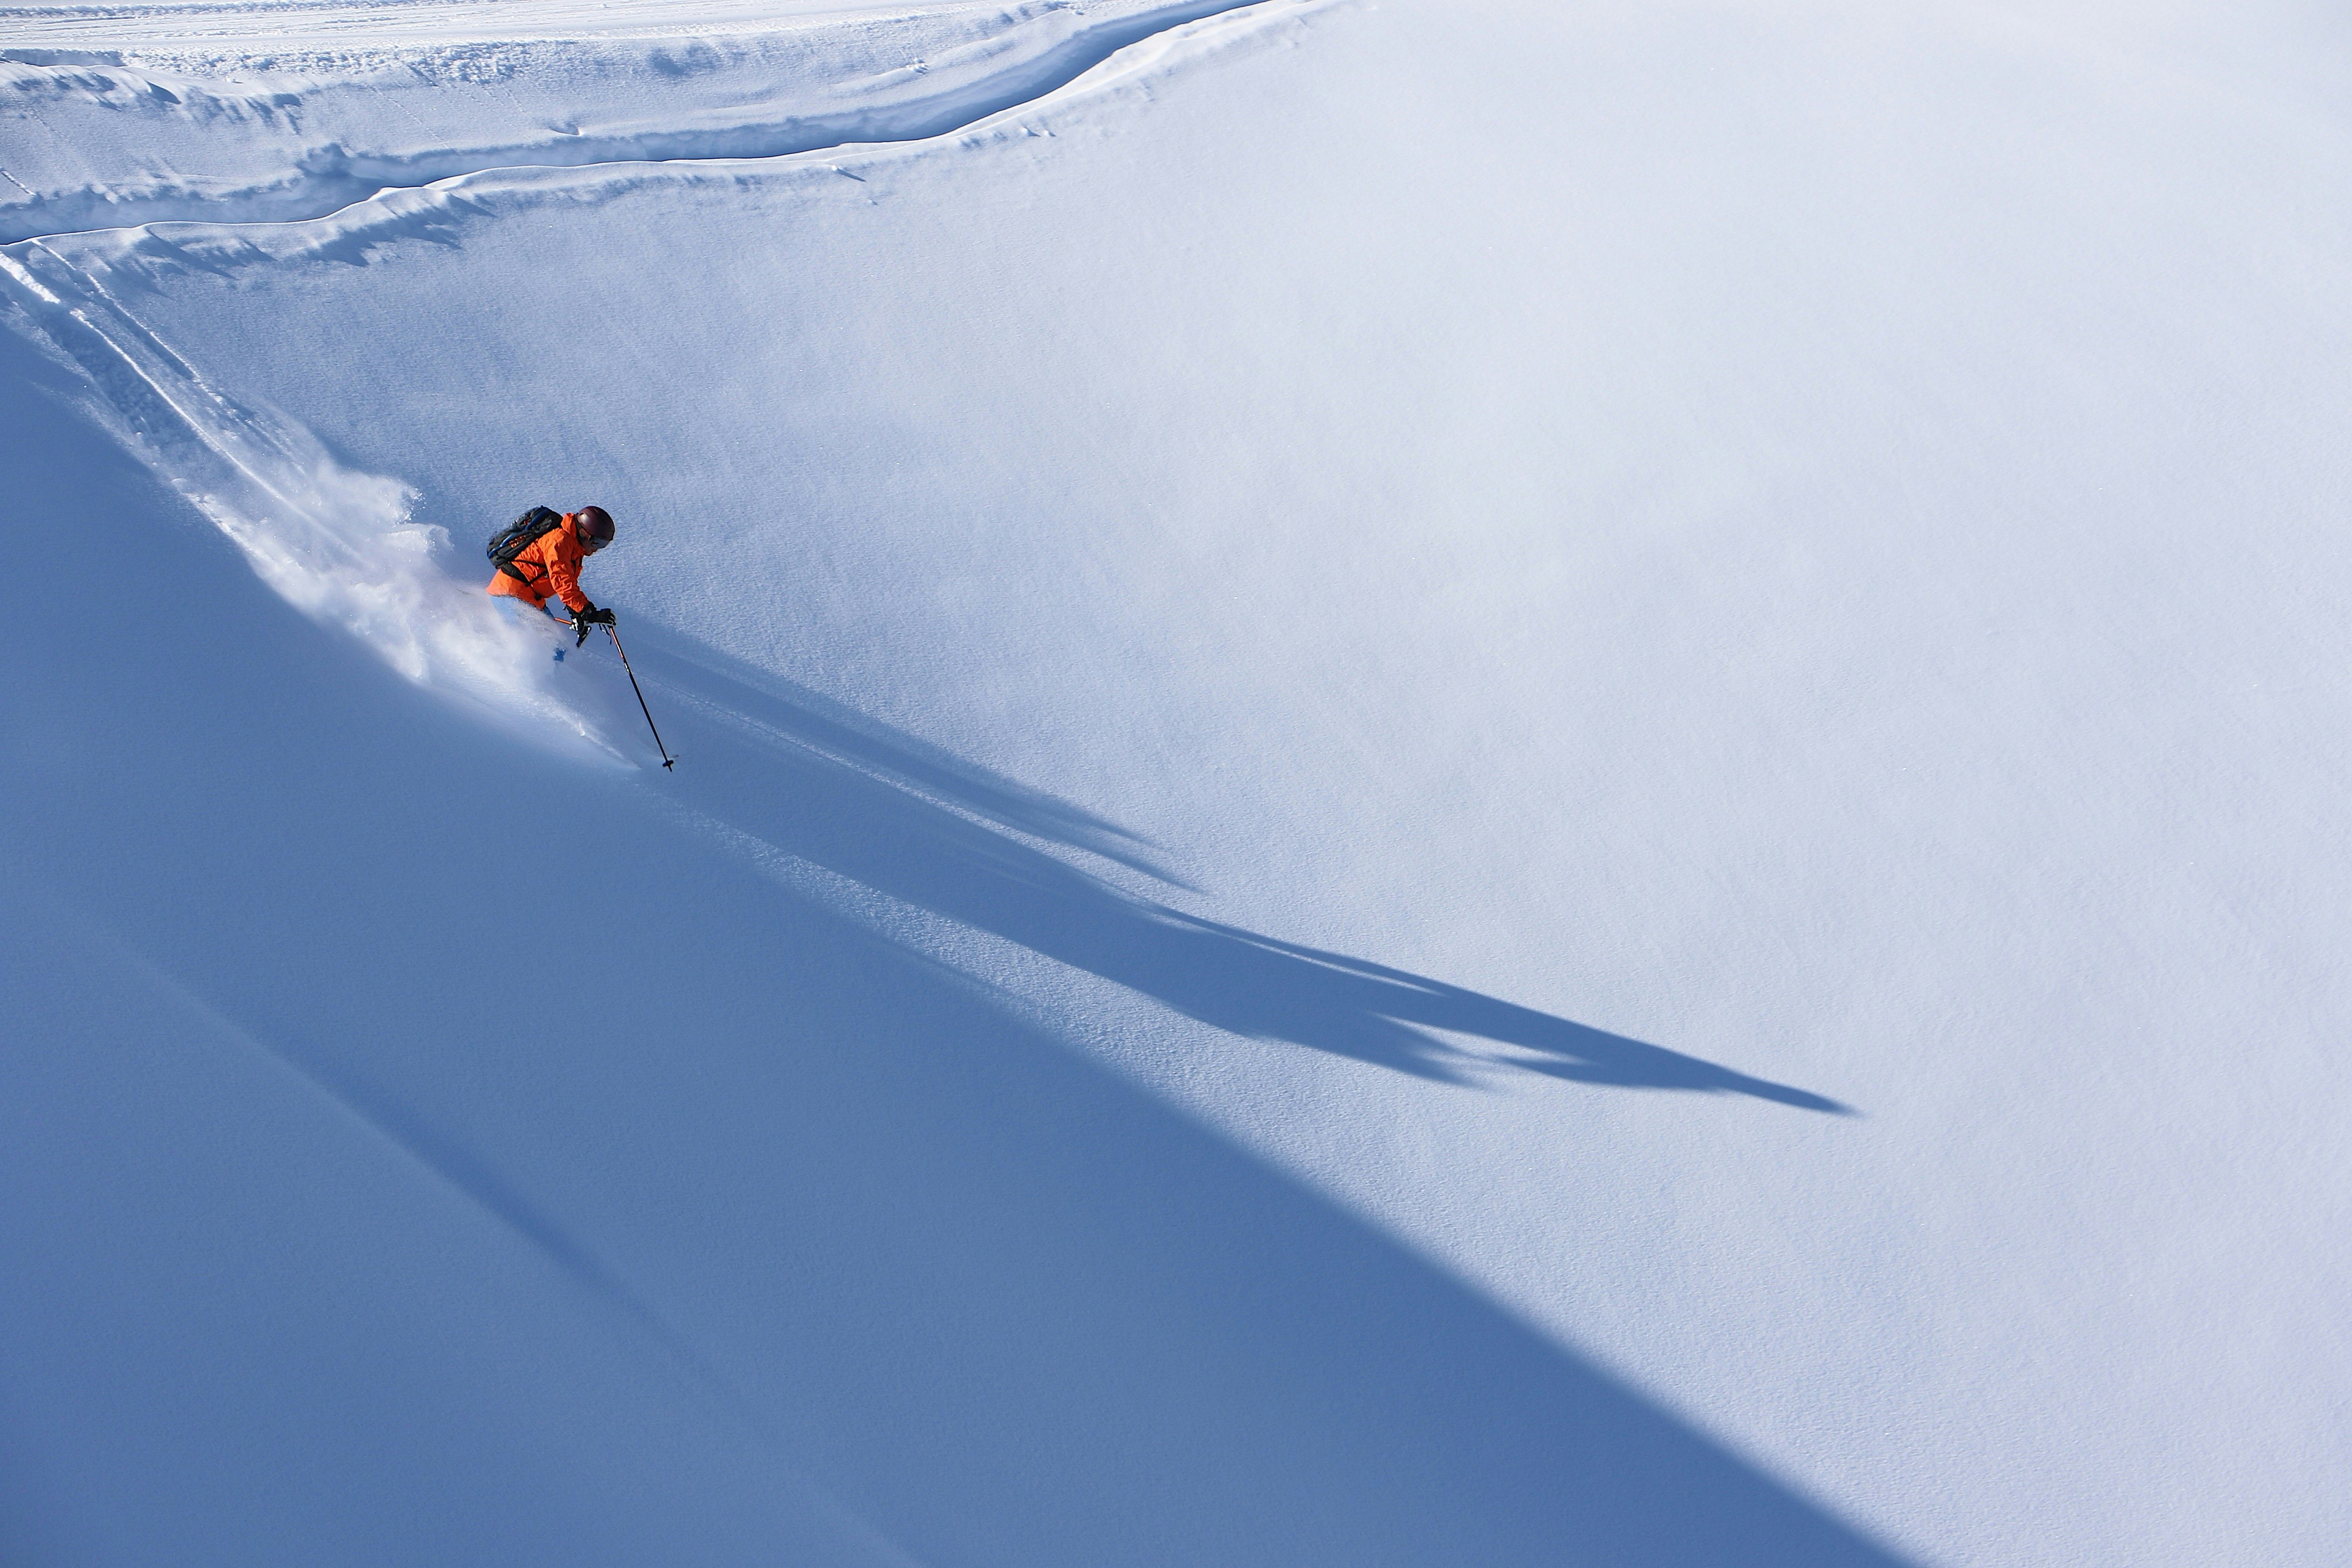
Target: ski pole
668,761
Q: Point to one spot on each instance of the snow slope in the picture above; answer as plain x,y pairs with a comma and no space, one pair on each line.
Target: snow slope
1462,784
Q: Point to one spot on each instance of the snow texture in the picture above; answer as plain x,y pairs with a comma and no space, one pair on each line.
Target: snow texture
1488,783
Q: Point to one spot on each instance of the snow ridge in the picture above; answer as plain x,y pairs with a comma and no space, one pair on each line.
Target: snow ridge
828,98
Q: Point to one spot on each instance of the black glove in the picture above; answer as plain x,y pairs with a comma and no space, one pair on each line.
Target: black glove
582,621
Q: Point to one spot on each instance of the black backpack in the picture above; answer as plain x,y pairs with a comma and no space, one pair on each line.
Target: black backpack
520,536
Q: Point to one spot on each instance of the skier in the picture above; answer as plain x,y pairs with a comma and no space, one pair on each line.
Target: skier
541,553
548,566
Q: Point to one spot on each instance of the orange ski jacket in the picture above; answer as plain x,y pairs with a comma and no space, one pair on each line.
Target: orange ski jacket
550,567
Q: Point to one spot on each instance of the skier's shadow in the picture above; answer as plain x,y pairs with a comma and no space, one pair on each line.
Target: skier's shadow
845,793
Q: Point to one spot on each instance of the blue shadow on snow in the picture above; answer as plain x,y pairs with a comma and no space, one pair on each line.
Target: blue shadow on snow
843,791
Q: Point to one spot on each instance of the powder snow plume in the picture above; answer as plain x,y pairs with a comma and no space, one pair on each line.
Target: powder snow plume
338,544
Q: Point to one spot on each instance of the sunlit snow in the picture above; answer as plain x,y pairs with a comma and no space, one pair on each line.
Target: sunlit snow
1474,783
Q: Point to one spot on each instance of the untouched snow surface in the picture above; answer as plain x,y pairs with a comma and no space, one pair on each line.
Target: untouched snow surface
1481,783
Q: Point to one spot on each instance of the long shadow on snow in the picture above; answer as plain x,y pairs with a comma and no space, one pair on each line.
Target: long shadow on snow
1009,1308
845,793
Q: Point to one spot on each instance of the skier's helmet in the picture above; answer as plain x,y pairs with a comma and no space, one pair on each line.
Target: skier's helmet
595,526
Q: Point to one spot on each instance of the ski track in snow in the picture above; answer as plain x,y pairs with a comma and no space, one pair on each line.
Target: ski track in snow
335,543
341,546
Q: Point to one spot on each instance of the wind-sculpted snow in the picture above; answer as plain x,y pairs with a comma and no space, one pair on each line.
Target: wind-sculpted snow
116,138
